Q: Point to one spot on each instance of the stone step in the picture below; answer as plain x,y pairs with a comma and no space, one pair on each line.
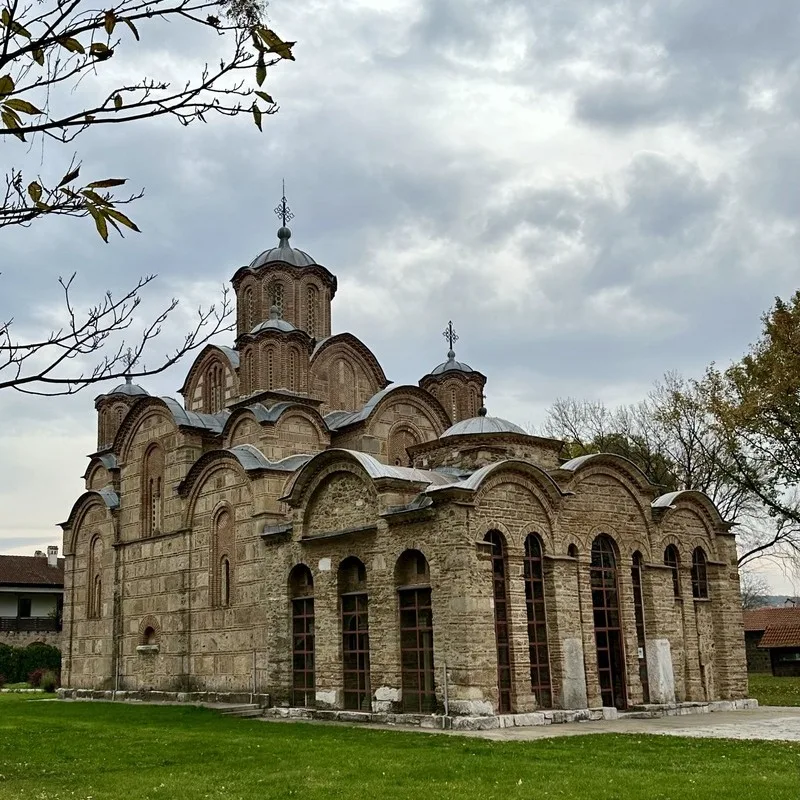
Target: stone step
244,713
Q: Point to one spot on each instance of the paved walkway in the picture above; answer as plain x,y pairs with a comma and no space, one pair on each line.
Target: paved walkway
774,723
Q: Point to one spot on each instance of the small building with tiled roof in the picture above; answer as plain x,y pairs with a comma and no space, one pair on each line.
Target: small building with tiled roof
772,639
31,598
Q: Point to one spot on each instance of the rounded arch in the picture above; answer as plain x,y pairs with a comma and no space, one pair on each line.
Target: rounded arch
605,552
412,569
422,402
351,575
532,477
300,582
402,435
572,550
699,574
149,629
201,472
672,559
153,489
275,293
699,501
224,360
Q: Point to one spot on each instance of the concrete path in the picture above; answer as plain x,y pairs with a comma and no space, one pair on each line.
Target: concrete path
772,723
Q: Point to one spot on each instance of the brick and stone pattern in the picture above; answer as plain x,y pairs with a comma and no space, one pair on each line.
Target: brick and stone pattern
178,564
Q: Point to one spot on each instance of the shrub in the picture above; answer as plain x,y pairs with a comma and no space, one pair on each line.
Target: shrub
2,681
39,656
35,678
9,662
49,681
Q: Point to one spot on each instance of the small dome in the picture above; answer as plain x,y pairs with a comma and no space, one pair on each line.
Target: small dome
284,252
130,389
274,323
482,424
451,365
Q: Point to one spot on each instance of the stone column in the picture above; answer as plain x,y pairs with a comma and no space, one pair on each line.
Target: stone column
384,635
660,631
594,695
522,696
327,637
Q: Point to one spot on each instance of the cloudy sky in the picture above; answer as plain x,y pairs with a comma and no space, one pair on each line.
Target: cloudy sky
594,192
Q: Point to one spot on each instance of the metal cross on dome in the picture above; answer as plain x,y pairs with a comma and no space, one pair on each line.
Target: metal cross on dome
450,334
282,210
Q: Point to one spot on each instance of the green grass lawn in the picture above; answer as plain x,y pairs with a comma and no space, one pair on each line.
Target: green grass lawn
79,750
771,691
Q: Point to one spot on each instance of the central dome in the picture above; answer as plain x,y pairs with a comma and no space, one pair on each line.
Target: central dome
284,253
482,424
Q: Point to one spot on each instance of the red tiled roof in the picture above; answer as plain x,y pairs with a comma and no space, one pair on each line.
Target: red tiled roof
781,636
759,619
30,571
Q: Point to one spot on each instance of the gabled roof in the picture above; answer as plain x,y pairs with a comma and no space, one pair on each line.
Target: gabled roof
781,636
30,571
759,619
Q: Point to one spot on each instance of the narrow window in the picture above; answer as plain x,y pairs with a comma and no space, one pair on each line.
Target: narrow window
672,560
225,581
98,597
501,623
292,372
301,588
638,607
537,622
311,311
275,295
699,574
270,369
152,491
248,316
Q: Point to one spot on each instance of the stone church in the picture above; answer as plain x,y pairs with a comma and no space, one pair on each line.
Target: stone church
301,527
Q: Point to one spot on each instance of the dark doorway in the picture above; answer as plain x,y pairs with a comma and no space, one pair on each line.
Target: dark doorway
501,630
607,623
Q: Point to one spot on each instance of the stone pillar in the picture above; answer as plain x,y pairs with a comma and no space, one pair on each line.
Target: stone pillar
384,635
730,660
522,696
695,688
660,631
630,642
327,644
565,632
594,696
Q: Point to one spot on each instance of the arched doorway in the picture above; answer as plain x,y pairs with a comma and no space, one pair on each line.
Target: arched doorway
412,578
501,627
537,622
608,623
355,634
301,592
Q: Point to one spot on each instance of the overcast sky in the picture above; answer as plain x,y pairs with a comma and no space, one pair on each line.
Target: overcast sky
594,192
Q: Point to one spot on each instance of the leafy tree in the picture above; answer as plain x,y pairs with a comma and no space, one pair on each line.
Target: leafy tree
756,409
58,80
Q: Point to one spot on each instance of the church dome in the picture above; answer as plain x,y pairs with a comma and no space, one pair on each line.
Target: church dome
129,389
274,323
451,365
482,424
284,253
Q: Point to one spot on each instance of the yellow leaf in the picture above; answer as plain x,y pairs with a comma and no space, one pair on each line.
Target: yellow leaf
38,56
35,191
6,85
73,45
117,102
120,217
257,116
23,106
69,177
132,27
99,222
109,21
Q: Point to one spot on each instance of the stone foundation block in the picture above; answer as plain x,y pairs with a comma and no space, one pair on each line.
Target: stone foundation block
610,713
524,720
475,723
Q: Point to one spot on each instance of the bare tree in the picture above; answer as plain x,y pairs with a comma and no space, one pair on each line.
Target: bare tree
54,85
753,588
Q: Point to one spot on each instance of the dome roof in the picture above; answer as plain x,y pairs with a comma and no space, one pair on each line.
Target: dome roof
482,424
129,389
274,323
451,365
284,252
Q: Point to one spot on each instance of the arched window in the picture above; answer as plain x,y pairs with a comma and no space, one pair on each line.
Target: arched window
699,574
153,491
222,548
400,439
270,368
346,393
248,310
214,389
607,622
312,311
537,622
301,593
94,583
149,637
275,296
638,608
453,406
412,578
501,623
292,381
672,560
355,634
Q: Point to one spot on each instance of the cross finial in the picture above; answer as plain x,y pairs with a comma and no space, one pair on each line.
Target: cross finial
129,360
282,210
450,334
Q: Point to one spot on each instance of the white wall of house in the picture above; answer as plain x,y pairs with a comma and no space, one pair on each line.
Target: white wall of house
43,604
